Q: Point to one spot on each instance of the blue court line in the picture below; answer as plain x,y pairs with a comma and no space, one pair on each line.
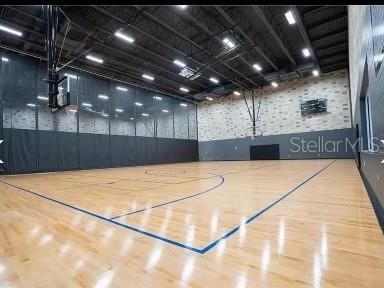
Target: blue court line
173,201
190,196
106,219
260,212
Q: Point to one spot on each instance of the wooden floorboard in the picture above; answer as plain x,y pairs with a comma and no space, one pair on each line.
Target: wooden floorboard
312,226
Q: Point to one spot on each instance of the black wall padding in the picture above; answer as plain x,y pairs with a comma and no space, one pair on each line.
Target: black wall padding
67,148
48,151
23,150
6,150
164,150
35,140
145,150
178,150
118,155
102,157
130,150
122,150
86,150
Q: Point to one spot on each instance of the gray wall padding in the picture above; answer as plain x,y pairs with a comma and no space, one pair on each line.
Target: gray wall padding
102,157
238,149
23,150
48,151
86,151
68,151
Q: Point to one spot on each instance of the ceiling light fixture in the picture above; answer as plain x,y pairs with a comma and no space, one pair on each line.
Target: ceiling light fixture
124,37
182,6
4,59
229,43
209,98
257,67
94,59
274,84
10,30
118,110
138,104
70,76
289,16
315,73
146,76
31,105
306,52
121,88
43,98
179,63
183,105
157,98
214,80
184,89
86,104
103,97
165,111
236,93
145,114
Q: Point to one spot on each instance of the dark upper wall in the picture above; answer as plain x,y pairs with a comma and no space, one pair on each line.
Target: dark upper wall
366,46
37,140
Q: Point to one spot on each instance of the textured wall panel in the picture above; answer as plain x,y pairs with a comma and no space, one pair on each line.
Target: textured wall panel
228,118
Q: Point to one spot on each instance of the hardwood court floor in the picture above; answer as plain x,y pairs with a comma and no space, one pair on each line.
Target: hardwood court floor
306,223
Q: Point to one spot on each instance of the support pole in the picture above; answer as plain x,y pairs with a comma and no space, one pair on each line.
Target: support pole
53,75
253,113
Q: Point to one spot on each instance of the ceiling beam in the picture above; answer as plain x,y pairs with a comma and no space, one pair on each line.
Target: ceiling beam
327,50
325,21
335,34
218,40
272,31
313,9
332,54
79,65
114,50
162,23
304,34
336,64
336,58
338,44
121,21
250,41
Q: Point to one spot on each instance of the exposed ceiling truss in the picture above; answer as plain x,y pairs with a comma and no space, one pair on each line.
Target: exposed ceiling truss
259,36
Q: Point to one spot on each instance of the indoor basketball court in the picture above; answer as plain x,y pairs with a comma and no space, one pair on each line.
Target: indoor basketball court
191,146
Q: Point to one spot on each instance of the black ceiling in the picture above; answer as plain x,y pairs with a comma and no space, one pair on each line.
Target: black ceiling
193,35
